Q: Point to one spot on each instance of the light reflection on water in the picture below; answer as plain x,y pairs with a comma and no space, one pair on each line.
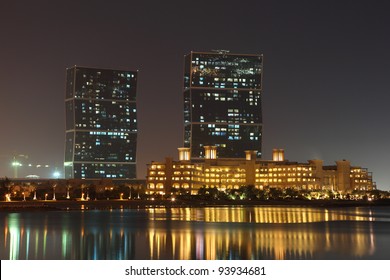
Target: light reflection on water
263,214
198,233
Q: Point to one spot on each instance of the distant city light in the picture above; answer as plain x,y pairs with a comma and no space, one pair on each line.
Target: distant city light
56,174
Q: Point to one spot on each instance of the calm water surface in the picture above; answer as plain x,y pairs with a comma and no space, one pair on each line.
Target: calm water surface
198,233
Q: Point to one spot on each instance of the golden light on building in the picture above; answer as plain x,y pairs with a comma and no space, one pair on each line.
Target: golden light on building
225,174
184,154
210,152
278,155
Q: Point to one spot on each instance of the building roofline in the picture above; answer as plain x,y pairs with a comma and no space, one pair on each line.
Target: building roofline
227,54
100,68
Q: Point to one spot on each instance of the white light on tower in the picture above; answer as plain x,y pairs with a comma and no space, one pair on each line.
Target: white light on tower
56,174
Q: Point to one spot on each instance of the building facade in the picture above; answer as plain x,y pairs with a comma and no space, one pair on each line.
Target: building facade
227,173
222,103
101,123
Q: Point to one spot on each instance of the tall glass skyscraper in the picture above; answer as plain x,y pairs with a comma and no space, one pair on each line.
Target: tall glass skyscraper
222,103
101,123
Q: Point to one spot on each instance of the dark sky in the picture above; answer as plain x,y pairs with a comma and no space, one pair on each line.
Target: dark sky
326,72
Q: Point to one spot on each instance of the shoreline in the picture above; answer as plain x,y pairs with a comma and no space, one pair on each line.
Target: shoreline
66,205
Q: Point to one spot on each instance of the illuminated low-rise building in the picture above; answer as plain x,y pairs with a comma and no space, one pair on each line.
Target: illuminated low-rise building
189,175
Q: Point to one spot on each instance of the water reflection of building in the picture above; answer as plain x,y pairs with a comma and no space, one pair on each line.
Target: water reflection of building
208,233
230,233
224,173
257,215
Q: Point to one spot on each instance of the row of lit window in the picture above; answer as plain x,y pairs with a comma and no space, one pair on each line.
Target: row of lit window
222,85
283,180
187,179
284,169
234,93
98,165
218,120
157,186
228,98
227,170
221,65
200,179
284,174
224,170
361,181
157,178
224,99
223,120
183,173
159,173
181,178
97,125
225,175
178,186
104,113
108,133
186,166
230,79
216,179
364,175
157,166
356,170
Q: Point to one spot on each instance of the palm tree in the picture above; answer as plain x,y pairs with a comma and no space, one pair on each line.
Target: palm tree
6,188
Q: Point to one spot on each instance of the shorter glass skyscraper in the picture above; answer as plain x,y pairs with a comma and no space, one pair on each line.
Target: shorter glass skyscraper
222,103
101,123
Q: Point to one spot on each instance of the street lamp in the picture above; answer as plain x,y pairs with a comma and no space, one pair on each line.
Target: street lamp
67,193
82,192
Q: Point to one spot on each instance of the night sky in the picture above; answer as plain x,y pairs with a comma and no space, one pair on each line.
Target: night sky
326,72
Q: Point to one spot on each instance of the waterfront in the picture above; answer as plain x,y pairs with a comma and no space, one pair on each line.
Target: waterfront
234,232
